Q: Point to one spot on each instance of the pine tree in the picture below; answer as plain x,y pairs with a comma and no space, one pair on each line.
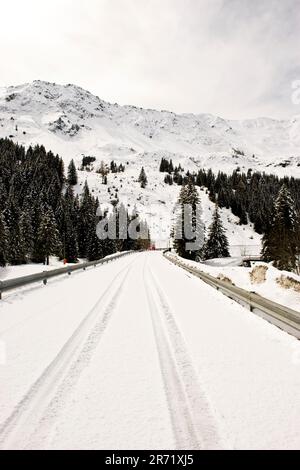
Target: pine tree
280,240
138,235
103,171
48,237
72,174
86,221
3,242
69,227
216,245
162,167
113,167
223,198
259,223
16,253
108,245
15,246
143,179
94,247
188,199
143,243
121,220
3,195
297,243
26,232
168,180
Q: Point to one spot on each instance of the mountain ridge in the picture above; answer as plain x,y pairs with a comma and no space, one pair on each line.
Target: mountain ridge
74,123
44,112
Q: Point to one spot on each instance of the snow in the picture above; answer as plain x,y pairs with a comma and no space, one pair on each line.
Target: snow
156,203
203,139
240,276
12,272
141,137
139,354
243,240
249,367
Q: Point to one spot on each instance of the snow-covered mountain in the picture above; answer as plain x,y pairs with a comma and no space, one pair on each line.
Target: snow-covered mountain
74,123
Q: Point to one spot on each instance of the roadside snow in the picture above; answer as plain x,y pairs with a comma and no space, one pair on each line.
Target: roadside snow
240,276
11,272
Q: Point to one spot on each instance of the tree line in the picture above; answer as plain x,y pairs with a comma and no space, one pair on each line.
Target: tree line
250,196
281,231
40,214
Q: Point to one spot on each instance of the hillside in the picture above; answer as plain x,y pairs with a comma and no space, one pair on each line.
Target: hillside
74,123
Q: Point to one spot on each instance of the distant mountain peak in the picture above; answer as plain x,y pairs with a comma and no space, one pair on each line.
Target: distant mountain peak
57,114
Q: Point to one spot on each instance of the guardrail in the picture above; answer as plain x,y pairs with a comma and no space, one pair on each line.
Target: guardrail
44,276
279,315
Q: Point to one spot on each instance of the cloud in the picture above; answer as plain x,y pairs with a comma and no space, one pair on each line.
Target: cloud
234,58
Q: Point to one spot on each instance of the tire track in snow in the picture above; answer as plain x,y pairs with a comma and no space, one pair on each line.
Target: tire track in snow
193,421
31,421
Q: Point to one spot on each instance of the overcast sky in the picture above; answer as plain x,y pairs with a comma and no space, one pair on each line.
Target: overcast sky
233,58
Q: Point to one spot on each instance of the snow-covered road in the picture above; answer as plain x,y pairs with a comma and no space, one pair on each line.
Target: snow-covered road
138,354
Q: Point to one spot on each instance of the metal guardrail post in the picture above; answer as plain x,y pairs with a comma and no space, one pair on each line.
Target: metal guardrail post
250,302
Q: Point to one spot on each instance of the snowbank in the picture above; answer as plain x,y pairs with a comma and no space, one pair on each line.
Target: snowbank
240,276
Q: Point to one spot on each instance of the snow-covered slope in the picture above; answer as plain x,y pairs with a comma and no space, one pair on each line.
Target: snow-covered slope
74,123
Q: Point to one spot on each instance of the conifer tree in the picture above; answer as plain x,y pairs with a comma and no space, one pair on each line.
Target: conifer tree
48,238
216,245
16,253
69,227
3,194
3,241
144,243
86,223
103,171
192,230
72,174
15,246
26,232
94,247
108,245
168,180
138,235
280,240
121,219
162,167
143,179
